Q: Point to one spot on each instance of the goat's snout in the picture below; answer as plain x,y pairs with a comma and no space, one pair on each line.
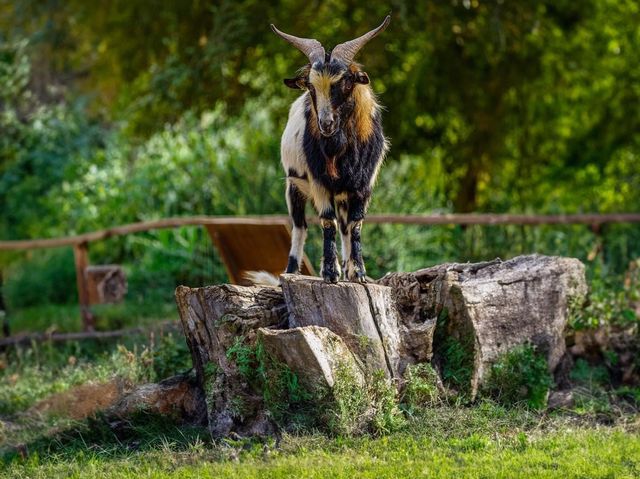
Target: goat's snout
328,123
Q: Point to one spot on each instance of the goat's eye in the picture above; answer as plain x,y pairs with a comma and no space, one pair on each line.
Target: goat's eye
348,86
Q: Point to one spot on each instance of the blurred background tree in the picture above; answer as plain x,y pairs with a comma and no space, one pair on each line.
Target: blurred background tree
118,111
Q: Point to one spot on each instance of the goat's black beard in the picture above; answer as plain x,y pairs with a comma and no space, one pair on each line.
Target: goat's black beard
335,145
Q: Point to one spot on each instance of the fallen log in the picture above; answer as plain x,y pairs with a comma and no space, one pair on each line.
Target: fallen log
26,339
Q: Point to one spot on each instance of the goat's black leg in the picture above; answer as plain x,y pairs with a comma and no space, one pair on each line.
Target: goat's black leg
330,267
296,203
355,270
342,211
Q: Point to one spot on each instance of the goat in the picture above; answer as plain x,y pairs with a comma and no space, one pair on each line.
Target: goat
331,150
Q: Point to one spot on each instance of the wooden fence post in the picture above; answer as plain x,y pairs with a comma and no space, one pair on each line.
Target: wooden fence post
81,257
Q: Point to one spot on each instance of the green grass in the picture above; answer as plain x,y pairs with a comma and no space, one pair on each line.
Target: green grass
572,452
485,439
436,436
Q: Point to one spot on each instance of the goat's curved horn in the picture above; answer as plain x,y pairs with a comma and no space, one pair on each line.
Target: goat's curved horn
312,48
347,51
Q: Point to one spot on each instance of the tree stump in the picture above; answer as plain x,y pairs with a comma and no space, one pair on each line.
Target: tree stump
490,308
363,315
314,328
214,319
315,353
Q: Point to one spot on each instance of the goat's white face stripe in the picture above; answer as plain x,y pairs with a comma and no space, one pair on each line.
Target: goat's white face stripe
322,82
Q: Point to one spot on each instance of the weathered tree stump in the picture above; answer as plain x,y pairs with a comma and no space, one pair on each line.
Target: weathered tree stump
363,315
315,353
490,308
214,319
315,328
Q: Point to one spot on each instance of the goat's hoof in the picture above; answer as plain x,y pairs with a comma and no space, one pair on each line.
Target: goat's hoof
331,278
358,277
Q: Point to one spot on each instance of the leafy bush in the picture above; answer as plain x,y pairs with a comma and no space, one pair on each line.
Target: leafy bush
520,375
610,300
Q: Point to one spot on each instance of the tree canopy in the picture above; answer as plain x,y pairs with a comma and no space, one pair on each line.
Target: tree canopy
121,110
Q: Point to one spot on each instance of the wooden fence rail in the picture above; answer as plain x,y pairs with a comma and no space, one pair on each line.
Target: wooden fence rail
275,227
443,219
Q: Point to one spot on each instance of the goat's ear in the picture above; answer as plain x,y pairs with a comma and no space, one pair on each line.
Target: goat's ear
295,83
361,77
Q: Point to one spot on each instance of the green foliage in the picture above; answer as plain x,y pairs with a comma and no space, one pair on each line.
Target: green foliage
348,405
520,375
386,417
586,374
610,301
290,403
40,147
351,408
420,387
244,357
47,277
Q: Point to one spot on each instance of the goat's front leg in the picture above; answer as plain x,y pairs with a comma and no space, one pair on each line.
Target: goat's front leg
324,204
330,267
354,269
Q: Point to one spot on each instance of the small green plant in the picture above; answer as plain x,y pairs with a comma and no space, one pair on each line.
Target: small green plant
453,351
347,406
387,416
590,376
420,387
288,401
171,356
457,363
609,302
354,408
591,384
244,357
520,376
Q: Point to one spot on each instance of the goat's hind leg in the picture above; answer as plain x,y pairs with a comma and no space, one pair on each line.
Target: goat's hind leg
296,202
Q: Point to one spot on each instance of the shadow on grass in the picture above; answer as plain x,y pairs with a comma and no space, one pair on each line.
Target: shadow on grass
109,437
